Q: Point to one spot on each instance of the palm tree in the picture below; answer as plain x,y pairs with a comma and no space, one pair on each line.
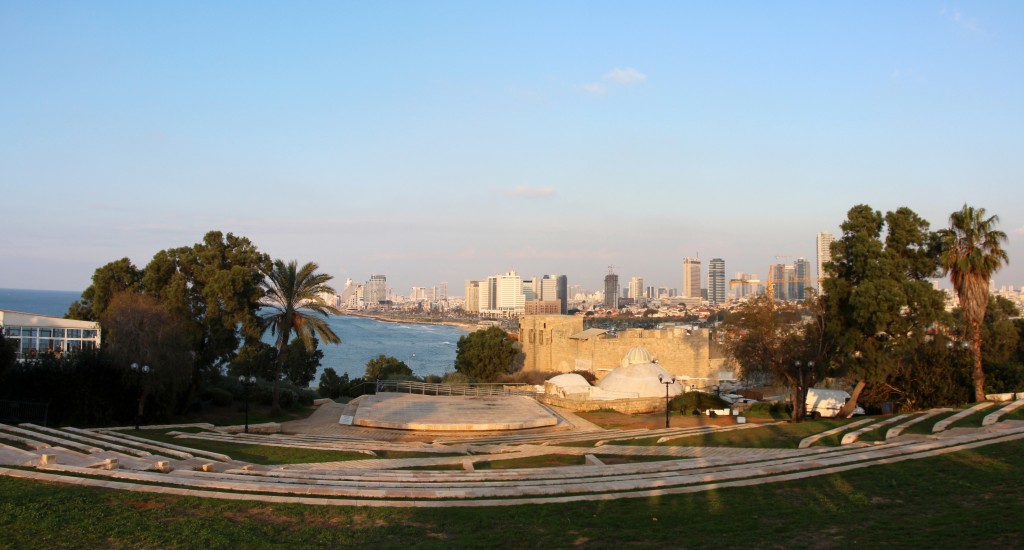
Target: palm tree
295,300
971,252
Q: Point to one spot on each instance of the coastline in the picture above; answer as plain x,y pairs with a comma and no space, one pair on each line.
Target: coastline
465,327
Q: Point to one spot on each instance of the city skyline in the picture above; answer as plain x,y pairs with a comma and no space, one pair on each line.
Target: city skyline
435,144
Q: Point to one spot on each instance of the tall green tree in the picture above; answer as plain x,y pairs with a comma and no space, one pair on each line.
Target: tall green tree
485,354
294,302
972,251
215,288
108,280
879,302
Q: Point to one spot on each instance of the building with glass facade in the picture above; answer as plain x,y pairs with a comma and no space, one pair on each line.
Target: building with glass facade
37,335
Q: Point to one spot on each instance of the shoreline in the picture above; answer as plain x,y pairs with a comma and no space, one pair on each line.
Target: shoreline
465,327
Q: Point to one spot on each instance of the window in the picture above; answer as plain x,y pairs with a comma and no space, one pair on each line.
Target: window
89,333
74,333
46,332
12,331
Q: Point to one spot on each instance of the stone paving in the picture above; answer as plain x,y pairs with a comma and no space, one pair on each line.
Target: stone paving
451,413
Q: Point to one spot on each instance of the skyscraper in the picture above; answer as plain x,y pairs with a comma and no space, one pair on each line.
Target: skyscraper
691,277
611,290
803,279
376,290
716,281
636,289
472,296
824,254
562,291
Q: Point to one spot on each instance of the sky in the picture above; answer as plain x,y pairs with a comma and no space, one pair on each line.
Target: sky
436,141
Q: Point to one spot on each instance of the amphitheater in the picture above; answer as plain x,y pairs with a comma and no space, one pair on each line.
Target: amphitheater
436,465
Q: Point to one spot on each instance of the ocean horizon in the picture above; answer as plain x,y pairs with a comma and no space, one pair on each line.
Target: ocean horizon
427,349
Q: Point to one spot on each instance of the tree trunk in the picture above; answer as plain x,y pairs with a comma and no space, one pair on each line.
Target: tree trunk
275,406
850,405
979,372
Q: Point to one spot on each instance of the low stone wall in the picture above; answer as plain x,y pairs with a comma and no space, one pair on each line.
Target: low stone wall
640,405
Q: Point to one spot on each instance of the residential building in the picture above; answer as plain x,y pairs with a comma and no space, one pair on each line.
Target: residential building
691,278
824,243
716,281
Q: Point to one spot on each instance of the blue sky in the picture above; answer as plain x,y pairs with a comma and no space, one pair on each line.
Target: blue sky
443,141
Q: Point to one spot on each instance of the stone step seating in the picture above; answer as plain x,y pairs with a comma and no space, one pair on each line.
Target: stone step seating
529,486
946,422
994,417
91,449
349,445
165,448
812,439
540,438
896,431
854,436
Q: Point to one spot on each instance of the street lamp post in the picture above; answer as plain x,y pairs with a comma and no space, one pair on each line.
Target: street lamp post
139,371
246,382
668,382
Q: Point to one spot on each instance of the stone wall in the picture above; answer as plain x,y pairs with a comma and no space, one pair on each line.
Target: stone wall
642,405
548,346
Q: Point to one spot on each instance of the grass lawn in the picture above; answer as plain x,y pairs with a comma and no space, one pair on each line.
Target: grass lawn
970,499
256,454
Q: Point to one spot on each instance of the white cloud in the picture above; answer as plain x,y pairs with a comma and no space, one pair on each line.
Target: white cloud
593,88
625,75
959,19
526,192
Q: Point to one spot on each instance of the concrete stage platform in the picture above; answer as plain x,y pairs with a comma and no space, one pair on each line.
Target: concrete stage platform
451,413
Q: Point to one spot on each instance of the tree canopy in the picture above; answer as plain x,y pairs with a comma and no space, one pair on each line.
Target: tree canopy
386,367
294,303
485,354
879,303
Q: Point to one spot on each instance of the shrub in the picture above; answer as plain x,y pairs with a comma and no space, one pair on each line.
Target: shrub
697,400
763,409
220,396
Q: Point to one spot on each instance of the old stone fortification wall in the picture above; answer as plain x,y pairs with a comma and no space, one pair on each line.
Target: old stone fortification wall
643,405
547,346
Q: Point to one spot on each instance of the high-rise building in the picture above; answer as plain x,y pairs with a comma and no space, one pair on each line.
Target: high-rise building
636,289
716,281
511,300
802,269
562,291
376,290
531,289
824,254
691,278
489,295
781,277
611,290
442,293
472,297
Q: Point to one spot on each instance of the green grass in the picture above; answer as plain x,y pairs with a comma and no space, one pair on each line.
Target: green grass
256,454
969,499
542,461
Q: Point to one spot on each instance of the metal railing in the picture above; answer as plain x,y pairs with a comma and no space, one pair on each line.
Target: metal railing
17,412
425,388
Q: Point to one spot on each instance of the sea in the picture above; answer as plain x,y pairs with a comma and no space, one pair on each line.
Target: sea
427,349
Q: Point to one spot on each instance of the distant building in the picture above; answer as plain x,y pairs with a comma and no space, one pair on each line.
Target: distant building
824,243
375,291
636,290
691,278
33,336
472,304
802,269
611,291
560,344
716,281
544,307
